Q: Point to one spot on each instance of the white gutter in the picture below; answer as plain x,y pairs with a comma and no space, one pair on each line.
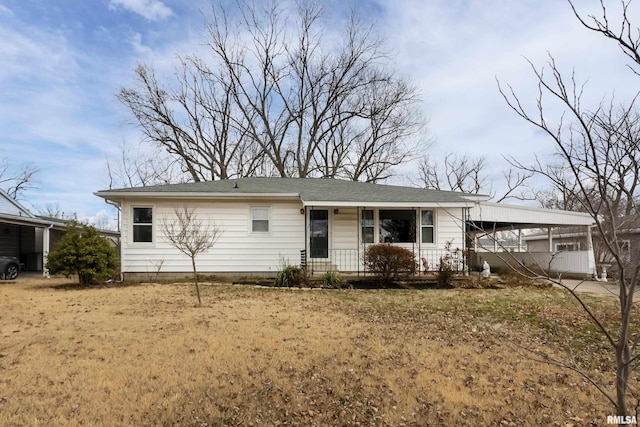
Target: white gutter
378,204
114,195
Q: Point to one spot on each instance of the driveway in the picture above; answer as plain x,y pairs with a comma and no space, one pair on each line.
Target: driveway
592,286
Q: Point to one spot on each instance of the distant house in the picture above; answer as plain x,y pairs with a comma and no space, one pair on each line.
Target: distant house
567,240
321,224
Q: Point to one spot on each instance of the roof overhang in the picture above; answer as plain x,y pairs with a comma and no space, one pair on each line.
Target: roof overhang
118,197
498,217
22,220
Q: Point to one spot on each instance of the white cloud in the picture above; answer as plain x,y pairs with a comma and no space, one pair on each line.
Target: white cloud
5,11
102,220
138,47
455,51
153,10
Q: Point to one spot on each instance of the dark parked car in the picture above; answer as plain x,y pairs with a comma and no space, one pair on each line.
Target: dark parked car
9,267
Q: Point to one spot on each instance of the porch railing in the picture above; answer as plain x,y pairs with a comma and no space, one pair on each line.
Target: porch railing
351,261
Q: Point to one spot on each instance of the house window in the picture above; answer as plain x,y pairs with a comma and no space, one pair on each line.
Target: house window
143,225
367,226
260,219
397,226
567,247
426,222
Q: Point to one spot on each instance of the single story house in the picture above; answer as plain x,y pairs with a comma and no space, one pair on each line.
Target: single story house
319,223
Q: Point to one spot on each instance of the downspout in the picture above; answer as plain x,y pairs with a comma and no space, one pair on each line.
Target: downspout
117,206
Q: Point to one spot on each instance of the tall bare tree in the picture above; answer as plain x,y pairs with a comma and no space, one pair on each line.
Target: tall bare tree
15,179
278,95
141,166
599,154
54,210
190,235
468,174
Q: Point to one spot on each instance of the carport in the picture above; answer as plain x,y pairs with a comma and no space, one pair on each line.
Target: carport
26,236
493,220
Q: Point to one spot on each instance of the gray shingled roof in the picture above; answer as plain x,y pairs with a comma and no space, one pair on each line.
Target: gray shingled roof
308,189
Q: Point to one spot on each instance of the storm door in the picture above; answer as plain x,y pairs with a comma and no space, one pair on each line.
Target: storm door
319,233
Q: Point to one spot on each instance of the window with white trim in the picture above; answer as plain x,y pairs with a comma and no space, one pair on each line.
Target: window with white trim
367,226
142,224
260,219
427,226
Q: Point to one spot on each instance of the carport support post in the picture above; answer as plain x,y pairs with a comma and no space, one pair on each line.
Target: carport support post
550,239
519,239
45,251
591,255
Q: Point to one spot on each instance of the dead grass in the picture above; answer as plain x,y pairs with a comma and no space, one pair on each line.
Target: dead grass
147,355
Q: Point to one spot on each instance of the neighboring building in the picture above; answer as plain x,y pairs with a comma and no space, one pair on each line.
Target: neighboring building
322,224
559,240
29,237
26,236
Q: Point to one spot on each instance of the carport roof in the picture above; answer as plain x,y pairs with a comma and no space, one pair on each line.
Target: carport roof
32,221
493,216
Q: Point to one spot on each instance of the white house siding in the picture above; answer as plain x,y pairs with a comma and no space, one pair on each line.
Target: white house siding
236,250
449,228
344,233
9,208
240,251
538,246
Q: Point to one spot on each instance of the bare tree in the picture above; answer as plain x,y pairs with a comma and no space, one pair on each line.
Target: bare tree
468,174
140,166
600,157
278,96
53,210
190,236
15,179
626,35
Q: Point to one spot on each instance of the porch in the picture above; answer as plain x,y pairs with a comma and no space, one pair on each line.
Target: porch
351,261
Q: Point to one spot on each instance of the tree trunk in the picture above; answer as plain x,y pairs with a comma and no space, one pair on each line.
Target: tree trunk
623,355
195,279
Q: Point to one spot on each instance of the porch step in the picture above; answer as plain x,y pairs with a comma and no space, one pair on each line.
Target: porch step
321,266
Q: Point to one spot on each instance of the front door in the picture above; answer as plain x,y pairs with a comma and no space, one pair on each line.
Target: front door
319,233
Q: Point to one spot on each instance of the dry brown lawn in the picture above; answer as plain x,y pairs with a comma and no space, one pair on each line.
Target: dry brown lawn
148,355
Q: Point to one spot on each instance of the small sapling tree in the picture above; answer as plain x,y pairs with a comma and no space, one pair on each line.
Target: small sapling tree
190,236
84,252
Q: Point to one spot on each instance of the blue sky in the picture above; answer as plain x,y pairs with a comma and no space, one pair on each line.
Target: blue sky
63,62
